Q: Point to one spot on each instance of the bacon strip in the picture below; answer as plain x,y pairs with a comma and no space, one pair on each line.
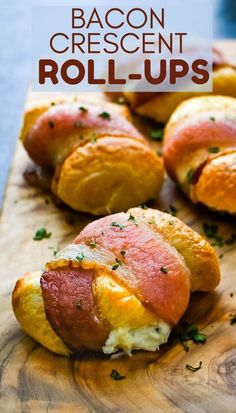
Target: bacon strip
70,308
148,256
58,131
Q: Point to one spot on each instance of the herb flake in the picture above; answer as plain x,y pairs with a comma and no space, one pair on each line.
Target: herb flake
41,233
191,332
189,175
173,210
164,270
193,369
132,219
80,257
118,263
157,134
105,115
116,224
83,109
210,230
115,375
214,149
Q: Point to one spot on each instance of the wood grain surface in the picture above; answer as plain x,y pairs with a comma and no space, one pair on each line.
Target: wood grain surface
35,380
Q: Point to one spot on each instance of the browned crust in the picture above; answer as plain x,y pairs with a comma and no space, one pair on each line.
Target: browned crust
198,145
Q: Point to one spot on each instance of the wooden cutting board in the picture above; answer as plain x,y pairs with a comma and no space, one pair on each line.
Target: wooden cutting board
35,380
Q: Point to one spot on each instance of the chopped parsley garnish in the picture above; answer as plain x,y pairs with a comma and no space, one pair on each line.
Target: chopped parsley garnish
171,222
173,210
214,149
55,253
93,244
212,118
123,253
218,241
116,224
51,124
78,124
105,115
210,230
221,256
53,103
83,109
159,153
79,304
232,318
164,270
41,233
189,175
118,263
191,332
157,134
80,257
115,375
193,369
132,218
144,206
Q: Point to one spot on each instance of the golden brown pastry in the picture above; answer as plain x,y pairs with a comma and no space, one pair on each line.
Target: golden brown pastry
122,284
100,162
160,106
200,151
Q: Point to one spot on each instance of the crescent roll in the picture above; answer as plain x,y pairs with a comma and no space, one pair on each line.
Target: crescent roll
200,151
160,106
122,284
100,162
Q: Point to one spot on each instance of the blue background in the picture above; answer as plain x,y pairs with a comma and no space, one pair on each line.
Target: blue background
15,66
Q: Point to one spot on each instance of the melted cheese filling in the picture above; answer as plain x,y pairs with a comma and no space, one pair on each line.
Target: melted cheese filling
133,326
144,338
